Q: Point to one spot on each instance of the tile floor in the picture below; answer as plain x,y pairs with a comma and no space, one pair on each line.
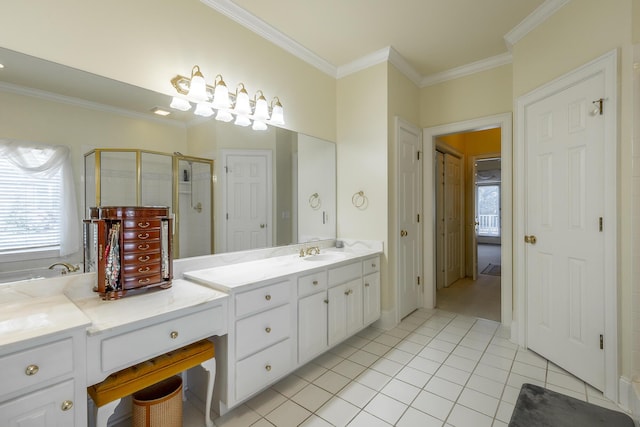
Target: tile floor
434,369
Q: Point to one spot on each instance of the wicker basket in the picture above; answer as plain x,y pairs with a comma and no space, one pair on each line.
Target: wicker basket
159,405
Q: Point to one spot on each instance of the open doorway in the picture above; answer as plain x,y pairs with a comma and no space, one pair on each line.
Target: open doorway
501,124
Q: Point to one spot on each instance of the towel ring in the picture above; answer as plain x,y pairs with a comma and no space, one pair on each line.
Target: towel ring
314,201
359,199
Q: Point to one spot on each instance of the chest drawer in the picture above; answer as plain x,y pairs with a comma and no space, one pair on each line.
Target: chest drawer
141,223
35,365
344,273
370,265
124,350
263,298
312,283
141,235
147,247
255,372
261,330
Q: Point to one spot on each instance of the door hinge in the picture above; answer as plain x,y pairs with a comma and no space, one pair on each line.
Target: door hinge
601,342
418,217
227,216
418,154
226,169
418,278
600,224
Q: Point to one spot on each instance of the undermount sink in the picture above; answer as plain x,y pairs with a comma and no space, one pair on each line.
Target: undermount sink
327,256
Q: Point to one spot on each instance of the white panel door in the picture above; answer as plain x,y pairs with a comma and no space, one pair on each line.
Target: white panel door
453,218
439,217
564,207
410,230
312,326
248,205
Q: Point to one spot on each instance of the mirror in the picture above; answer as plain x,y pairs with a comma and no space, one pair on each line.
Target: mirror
54,104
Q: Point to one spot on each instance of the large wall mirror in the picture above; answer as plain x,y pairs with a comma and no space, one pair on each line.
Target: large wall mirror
292,198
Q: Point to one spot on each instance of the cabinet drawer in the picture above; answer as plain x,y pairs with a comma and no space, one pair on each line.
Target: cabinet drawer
35,365
126,349
141,223
263,298
141,259
141,235
43,408
261,369
312,283
370,265
261,330
143,279
345,273
132,247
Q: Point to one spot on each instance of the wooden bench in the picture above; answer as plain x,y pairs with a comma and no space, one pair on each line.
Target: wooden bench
107,394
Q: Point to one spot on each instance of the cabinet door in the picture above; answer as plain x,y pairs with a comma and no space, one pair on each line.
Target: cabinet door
337,312
312,326
345,310
371,297
50,407
354,306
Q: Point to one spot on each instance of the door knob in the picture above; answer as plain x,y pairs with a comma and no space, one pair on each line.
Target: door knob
530,239
403,233
263,225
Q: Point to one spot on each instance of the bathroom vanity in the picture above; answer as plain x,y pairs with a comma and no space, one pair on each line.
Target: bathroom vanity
284,311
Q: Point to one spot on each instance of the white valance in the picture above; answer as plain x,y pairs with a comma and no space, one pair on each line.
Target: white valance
46,161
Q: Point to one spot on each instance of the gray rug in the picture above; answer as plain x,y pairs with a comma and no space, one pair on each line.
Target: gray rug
539,407
492,269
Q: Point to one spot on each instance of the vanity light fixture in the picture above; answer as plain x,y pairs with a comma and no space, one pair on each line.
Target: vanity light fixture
216,100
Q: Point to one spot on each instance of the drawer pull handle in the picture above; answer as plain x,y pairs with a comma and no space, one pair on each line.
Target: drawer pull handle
66,405
143,236
31,370
315,282
144,258
144,270
267,297
143,247
268,330
349,292
143,224
144,281
173,335
268,368
373,265
366,284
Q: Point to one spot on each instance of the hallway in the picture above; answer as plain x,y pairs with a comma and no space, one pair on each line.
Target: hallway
480,298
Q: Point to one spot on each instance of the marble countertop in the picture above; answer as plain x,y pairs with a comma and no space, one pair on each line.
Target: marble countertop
230,278
107,315
27,318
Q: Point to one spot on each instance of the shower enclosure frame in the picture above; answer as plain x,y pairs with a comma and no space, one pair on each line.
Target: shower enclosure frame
95,200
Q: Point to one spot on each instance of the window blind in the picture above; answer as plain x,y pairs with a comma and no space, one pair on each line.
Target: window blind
30,210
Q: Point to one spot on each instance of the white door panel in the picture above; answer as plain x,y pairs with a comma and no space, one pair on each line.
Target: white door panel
453,218
565,198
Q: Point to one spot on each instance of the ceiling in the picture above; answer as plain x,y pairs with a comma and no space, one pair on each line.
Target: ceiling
432,36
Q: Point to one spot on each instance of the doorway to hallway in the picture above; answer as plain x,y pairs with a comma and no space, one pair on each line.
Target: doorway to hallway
479,297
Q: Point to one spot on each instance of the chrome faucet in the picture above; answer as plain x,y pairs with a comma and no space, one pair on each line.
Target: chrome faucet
313,250
69,268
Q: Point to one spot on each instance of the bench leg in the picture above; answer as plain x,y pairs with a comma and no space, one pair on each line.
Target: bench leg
102,413
210,367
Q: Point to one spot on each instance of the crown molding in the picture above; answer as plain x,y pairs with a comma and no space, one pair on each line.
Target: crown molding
82,103
365,62
266,31
405,68
535,18
468,69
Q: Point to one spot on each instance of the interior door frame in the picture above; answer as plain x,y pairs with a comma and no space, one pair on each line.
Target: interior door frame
502,121
606,64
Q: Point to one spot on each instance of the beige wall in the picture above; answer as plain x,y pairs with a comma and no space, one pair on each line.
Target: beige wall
147,42
578,33
478,95
362,160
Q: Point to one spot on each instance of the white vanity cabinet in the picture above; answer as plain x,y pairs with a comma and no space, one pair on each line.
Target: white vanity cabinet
264,336
44,381
312,315
371,289
345,301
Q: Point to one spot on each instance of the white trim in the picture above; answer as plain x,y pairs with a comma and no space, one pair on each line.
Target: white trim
468,69
82,103
606,64
400,123
405,68
537,17
503,121
266,31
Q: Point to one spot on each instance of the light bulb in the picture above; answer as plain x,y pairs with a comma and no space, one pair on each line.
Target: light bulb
203,109
224,116
277,112
261,112
180,104
221,95
258,125
242,121
242,107
197,86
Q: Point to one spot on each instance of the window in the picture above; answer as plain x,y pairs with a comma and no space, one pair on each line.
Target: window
38,213
488,209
